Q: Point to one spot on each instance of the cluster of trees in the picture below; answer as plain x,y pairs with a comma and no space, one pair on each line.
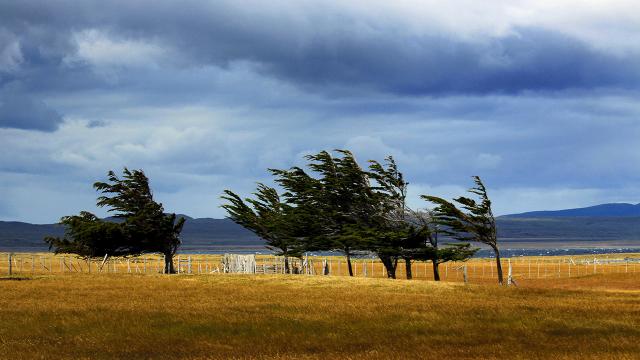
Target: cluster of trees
334,204
140,224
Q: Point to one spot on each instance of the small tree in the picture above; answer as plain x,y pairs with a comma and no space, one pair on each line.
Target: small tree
267,217
476,223
427,231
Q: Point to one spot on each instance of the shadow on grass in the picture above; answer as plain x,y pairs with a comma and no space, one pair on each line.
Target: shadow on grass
13,278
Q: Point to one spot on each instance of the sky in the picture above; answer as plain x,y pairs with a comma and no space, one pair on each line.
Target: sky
539,98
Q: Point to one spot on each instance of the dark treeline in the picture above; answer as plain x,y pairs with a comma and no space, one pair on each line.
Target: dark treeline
334,204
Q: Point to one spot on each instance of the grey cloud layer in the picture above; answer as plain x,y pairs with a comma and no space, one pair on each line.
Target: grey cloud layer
22,111
207,95
325,47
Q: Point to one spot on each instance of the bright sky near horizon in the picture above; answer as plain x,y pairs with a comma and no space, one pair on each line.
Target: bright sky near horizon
539,98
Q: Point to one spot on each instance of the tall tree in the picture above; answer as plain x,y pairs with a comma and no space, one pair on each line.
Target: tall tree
396,237
149,229
473,221
335,200
428,232
143,226
267,217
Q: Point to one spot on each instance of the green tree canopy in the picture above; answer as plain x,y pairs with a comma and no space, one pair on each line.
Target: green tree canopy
471,220
269,218
334,204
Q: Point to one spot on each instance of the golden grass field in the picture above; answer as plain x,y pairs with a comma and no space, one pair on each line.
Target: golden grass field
129,315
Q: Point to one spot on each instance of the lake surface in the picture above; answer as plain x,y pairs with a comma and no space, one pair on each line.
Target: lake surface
508,248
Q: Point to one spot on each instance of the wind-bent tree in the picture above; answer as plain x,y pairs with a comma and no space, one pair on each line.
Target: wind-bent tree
267,217
149,229
144,227
396,237
336,203
427,231
473,221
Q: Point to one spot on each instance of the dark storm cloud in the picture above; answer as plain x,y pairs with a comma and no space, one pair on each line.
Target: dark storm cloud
325,49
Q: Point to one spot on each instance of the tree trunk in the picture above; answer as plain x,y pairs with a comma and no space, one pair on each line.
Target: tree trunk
436,270
407,266
498,265
286,264
349,263
389,266
168,263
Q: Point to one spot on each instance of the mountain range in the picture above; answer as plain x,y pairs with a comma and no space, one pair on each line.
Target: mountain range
612,224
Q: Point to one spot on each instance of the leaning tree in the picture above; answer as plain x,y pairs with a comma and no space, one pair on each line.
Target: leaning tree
335,200
141,224
395,236
472,221
428,231
269,218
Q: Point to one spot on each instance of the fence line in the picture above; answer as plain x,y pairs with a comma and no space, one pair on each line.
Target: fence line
476,269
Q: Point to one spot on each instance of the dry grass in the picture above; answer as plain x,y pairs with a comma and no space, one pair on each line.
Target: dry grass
279,316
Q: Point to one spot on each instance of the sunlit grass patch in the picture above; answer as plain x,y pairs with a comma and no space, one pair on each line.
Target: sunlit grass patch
266,316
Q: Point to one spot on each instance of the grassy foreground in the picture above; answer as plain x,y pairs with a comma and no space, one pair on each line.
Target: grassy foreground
280,316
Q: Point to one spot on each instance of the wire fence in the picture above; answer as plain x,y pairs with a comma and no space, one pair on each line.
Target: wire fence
474,270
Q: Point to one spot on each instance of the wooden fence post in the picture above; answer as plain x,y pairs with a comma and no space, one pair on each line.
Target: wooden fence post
510,275
465,276
10,269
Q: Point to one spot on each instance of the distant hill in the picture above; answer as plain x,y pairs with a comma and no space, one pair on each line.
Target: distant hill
203,234
609,223
569,229
604,210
